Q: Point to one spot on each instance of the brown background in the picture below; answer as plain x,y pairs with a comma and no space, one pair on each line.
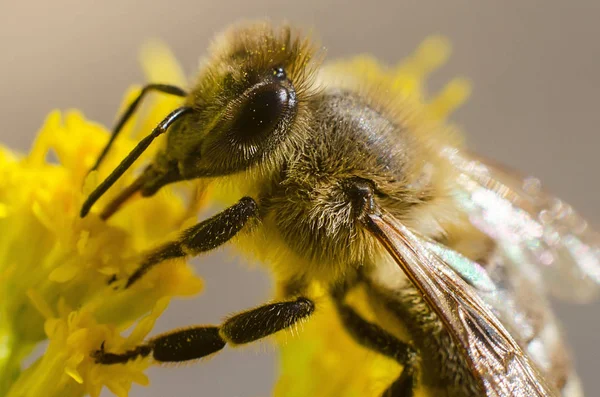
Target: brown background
535,66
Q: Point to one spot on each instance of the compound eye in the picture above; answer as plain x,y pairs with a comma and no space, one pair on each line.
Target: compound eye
260,111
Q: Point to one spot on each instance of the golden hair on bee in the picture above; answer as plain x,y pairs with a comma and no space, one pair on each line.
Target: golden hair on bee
343,181
248,49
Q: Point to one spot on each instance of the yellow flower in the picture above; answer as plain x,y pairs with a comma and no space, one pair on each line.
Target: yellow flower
55,267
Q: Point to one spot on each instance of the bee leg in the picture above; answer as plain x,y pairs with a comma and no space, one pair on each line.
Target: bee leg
403,386
379,340
203,237
197,342
164,88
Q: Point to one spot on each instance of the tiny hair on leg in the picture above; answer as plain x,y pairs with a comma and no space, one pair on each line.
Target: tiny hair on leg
205,236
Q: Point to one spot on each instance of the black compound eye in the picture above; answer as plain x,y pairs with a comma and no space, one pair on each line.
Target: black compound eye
261,111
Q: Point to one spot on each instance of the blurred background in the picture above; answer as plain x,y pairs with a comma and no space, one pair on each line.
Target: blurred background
535,68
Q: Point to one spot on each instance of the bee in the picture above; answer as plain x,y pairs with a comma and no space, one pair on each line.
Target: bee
337,184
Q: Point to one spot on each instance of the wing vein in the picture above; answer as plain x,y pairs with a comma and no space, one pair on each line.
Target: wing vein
495,359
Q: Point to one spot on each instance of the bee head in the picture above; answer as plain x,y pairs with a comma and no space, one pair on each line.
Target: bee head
247,101
251,93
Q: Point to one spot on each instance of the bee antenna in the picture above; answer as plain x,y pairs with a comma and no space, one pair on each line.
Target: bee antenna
160,129
164,88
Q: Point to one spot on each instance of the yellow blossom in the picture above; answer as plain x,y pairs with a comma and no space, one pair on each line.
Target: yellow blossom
55,267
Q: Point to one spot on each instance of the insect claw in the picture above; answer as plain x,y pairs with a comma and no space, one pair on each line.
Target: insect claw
97,355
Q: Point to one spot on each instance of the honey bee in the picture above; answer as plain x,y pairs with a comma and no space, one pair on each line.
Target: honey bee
337,185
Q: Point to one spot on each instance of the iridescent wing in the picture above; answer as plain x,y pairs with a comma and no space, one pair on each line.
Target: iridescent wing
538,233
494,357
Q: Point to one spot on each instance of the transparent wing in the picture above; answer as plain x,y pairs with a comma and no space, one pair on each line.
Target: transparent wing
540,234
494,357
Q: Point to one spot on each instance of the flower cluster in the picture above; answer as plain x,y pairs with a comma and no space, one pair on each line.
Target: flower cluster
55,267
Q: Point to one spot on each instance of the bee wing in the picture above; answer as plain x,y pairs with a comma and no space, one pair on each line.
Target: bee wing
538,233
494,357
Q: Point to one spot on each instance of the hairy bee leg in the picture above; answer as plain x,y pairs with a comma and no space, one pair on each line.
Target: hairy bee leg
203,237
379,340
197,342
163,88
374,337
403,386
